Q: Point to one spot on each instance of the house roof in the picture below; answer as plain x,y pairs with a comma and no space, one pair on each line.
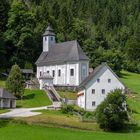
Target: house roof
95,72
27,71
4,94
62,52
49,31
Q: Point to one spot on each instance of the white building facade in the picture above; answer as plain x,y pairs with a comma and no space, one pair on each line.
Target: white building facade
96,87
65,62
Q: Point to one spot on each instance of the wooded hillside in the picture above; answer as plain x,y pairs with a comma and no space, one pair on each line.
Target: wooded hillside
107,30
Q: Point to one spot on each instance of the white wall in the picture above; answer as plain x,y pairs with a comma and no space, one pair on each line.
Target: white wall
47,42
81,99
98,97
65,78
43,82
84,70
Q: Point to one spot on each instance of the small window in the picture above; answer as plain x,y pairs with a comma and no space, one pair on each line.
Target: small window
51,38
93,91
53,73
109,80
93,103
71,72
45,38
48,72
59,73
103,91
98,80
40,73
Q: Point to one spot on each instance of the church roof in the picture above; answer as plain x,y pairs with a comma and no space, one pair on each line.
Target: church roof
49,31
62,52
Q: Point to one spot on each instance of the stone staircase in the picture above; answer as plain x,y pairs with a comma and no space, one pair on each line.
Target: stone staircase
53,96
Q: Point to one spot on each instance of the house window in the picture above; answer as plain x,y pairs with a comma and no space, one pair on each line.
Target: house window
59,73
53,73
93,91
93,103
71,72
109,80
103,91
98,80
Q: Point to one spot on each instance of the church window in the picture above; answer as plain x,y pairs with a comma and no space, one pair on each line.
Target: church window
40,73
53,73
48,72
51,38
71,72
59,73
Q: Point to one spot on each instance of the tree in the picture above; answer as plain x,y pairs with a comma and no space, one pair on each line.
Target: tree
20,32
15,81
4,6
111,114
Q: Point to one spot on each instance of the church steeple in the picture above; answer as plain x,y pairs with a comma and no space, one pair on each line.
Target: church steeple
48,39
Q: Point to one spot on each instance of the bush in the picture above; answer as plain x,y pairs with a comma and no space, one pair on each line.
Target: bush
67,109
111,114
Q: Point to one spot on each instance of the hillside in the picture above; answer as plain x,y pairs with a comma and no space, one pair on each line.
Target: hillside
107,30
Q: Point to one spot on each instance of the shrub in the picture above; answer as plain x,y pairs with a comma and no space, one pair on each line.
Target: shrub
111,114
67,109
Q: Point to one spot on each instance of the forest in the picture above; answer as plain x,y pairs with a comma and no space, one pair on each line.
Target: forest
107,30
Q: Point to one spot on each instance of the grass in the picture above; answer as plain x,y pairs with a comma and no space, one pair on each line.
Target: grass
68,94
132,81
56,118
2,83
16,131
49,124
3,111
34,98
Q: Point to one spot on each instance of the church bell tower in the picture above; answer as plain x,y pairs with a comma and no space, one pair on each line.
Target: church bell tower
48,39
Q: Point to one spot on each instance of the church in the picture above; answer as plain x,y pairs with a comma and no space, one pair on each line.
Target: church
65,64
61,64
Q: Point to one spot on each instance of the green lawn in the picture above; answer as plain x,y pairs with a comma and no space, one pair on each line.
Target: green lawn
132,81
3,111
49,124
68,94
17,131
56,118
34,98
2,83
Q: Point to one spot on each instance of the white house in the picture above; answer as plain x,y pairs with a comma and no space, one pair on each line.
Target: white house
63,64
94,89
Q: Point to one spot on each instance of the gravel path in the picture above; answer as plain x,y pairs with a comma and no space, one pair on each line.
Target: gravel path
22,112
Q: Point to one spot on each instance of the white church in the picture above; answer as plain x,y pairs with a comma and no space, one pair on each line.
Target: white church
65,64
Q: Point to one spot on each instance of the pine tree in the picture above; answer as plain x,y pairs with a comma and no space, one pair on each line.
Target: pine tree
15,81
